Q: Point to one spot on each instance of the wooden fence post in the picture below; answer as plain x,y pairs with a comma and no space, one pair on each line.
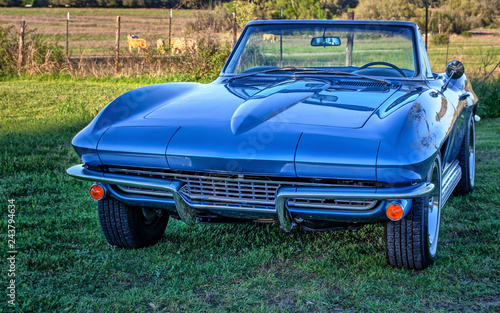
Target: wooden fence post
170,33
234,29
349,44
117,45
21,47
449,31
67,36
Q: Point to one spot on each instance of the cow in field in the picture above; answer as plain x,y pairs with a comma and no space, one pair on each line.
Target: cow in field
160,45
135,42
181,45
270,37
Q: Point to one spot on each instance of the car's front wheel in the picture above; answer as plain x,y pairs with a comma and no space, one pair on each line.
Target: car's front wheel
130,227
411,242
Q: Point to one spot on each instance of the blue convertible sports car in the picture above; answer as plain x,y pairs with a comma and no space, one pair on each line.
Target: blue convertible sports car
322,125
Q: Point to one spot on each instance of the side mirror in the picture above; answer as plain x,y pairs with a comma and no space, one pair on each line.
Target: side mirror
455,69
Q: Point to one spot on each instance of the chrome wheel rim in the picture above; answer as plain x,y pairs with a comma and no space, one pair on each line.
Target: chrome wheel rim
434,209
472,154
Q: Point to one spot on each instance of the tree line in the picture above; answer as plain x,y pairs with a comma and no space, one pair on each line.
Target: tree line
465,14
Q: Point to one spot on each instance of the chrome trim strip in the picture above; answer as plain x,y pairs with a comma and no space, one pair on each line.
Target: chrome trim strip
140,200
149,192
415,191
228,207
450,181
334,206
285,193
221,199
80,172
208,177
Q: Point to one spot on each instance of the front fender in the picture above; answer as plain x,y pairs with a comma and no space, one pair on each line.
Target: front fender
133,104
412,136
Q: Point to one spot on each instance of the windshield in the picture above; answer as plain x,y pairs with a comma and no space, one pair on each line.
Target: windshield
346,48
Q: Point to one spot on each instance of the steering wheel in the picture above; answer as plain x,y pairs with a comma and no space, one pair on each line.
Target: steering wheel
382,63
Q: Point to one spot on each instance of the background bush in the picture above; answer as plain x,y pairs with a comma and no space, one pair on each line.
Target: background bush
466,14
8,57
439,39
43,56
207,60
489,98
39,55
218,20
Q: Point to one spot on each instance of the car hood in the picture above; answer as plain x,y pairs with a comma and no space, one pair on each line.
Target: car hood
293,128
307,101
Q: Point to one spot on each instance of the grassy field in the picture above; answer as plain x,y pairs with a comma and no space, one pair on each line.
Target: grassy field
65,265
479,53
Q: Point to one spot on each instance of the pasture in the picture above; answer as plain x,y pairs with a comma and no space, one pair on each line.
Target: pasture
92,33
92,30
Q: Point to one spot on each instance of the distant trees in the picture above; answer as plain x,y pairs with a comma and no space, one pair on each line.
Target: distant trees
297,9
466,14
113,3
309,9
185,4
337,7
391,10
10,3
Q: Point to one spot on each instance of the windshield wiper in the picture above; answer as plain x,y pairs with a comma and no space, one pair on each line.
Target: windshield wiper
311,71
279,69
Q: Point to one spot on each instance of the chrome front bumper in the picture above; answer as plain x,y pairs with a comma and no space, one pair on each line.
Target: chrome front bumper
188,212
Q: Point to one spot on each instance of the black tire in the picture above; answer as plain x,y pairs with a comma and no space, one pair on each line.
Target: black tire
467,160
411,242
130,227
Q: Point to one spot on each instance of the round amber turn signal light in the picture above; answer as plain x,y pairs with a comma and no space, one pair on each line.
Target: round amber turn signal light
97,192
394,212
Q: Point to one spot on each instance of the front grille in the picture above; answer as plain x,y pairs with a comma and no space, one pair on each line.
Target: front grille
251,192
205,189
332,203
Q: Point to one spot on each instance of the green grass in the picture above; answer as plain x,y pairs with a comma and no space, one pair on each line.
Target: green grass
65,264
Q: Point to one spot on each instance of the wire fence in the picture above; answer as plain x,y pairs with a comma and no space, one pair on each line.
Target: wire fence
96,35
